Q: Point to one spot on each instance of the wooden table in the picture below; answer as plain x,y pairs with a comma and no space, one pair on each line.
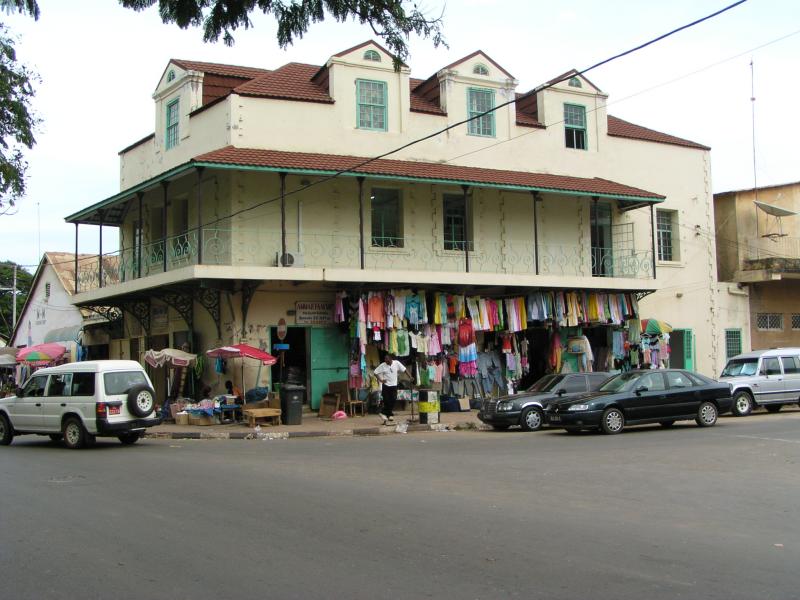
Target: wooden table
256,415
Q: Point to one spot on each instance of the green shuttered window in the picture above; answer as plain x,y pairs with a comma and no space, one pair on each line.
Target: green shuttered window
172,124
371,99
479,101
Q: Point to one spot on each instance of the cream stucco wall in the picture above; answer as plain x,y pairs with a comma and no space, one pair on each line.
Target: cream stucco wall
43,314
327,215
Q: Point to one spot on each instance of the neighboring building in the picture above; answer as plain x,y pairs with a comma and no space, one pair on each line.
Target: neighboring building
548,192
758,249
49,314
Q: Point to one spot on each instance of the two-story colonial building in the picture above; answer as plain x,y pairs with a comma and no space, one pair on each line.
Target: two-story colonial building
258,197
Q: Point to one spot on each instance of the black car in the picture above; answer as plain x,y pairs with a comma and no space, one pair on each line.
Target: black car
638,397
526,408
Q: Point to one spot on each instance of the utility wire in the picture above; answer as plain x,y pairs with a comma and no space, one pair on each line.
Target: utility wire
535,90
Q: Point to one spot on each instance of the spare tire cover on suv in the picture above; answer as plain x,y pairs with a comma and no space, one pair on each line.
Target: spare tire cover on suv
141,400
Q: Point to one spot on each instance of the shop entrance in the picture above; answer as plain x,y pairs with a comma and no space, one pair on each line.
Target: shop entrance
329,361
295,359
681,345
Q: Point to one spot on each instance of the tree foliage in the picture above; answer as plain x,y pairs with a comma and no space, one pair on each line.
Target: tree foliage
392,20
17,120
24,280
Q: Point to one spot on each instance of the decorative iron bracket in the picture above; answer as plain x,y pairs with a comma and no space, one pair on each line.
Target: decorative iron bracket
640,295
210,300
113,315
182,300
140,309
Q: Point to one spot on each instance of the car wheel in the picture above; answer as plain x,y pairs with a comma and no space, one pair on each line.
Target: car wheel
74,433
141,400
572,430
707,414
666,423
6,431
742,404
773,408
613,421
56,437
500,427
129,438
531,419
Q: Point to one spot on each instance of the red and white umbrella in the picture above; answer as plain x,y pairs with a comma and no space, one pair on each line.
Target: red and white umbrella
244,351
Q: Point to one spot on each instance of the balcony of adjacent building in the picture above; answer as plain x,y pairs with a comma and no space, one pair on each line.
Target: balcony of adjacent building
770,258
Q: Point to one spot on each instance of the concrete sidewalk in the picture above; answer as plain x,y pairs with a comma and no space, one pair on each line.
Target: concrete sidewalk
313,426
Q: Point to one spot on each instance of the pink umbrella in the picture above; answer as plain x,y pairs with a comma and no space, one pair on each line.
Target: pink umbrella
41,354
242,351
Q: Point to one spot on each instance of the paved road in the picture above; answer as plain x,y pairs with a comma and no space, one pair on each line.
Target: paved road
649,514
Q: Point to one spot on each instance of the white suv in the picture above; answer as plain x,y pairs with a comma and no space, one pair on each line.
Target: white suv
768,378
78,401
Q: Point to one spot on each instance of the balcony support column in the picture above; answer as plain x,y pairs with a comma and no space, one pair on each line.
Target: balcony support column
361,219
164,186
139,236
465,189
199,197
76,258
536,200
282,175
653,238
100,256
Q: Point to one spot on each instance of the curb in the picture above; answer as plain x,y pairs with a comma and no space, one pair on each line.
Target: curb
285,435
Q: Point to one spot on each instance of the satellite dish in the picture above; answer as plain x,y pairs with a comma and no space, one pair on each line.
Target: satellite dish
774,211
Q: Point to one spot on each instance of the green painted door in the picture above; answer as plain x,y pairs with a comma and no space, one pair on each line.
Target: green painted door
329,361
688,349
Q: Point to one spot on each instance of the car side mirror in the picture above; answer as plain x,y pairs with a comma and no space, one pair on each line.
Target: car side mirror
640,389
561,392
20,392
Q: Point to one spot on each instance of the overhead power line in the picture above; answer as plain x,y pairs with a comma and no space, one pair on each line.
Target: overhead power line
397,149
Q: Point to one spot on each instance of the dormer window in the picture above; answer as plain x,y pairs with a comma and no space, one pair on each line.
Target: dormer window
372,55
575,82
371,101
480,69
480,101
170,76
171,138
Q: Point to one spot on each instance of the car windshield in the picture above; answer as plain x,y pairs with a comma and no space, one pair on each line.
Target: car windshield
740,366
621,382
546,383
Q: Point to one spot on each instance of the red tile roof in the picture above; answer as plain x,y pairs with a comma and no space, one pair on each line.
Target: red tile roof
619,128
421,103
420,170
292,81
219,69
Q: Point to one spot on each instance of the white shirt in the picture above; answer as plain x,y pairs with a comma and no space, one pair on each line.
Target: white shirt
387,374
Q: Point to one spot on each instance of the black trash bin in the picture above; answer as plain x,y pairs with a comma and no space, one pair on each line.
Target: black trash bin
292,404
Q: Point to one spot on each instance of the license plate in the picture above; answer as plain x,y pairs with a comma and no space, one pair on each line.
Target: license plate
113,410
555,419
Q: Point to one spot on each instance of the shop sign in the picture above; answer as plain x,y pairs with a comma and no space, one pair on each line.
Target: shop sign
281,329
314,313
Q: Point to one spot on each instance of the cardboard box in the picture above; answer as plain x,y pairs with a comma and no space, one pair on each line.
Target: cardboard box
201,420
182,418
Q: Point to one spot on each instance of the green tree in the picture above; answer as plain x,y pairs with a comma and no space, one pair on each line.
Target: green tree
24,280
17,120
392,20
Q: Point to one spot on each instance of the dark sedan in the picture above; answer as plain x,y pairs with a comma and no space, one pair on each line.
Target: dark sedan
526,409
639,397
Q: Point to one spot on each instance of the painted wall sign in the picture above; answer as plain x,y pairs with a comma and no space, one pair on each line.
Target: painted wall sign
314,313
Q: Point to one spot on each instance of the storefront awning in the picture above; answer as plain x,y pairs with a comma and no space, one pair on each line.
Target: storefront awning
112,210
63,334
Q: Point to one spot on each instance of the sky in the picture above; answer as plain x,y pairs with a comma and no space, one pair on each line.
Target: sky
99,64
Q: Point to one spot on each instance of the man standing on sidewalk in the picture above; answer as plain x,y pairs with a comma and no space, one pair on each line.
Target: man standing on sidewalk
387,372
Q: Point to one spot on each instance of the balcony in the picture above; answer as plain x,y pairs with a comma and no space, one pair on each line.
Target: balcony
767,259
262,248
